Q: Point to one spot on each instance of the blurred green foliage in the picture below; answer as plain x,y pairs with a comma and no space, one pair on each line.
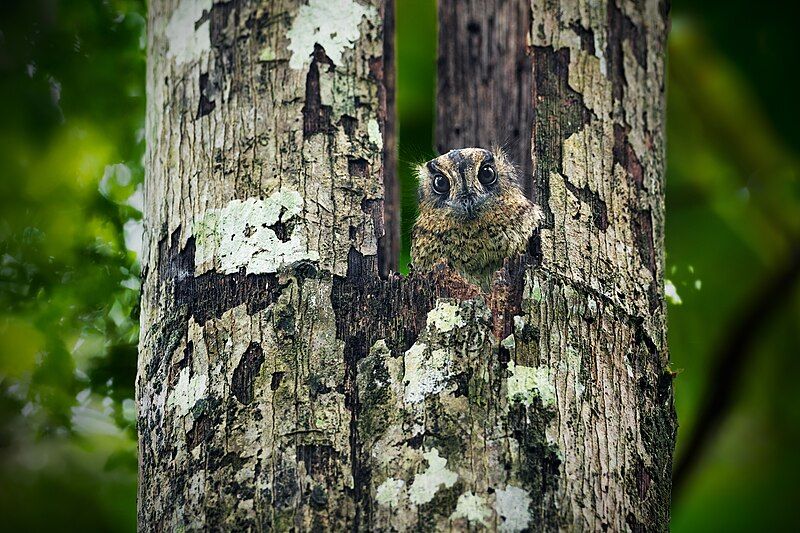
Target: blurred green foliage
733,226
71,143
416,104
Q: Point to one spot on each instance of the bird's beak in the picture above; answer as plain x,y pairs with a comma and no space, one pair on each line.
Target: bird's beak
468,203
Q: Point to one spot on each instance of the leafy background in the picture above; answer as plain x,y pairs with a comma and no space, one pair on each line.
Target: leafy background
71,146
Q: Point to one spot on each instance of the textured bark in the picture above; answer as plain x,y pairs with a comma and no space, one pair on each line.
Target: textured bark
485,76
284,383
595,353
390,251
264,171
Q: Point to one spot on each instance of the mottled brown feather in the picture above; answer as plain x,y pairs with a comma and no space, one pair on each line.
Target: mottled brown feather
499,228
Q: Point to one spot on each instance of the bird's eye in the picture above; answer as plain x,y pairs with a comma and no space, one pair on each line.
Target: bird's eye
441,185
487,175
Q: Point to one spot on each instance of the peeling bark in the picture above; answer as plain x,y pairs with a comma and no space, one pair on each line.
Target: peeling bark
286,381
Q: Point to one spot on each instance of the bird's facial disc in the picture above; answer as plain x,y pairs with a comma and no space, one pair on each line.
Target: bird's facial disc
463,181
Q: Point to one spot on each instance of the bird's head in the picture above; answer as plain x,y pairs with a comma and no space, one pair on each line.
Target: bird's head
464,182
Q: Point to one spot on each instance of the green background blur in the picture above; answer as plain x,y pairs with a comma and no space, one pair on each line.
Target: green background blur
71,146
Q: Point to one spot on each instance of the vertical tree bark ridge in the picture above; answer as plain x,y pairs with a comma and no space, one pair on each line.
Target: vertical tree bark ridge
580,388
391,185
264,171
485,78
598,147
598,156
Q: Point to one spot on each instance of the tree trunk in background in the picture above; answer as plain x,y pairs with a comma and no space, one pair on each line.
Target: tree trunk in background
484,82
283,383
595,345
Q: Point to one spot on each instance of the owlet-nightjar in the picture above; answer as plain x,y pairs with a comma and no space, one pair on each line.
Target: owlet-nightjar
472,214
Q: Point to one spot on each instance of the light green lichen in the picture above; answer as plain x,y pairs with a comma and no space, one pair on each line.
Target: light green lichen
379,348
445,316
332,24
390,492
239,235
267,54
336,91
509,343
512,504
535,291
426,484
426,372
526,383
374,132
472,507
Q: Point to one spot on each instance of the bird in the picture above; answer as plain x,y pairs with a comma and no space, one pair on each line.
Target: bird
472,214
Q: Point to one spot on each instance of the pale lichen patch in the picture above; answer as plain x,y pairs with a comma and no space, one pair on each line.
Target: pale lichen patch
390,492
532,295
445,316
509,343
240,236
336,91
519,324
186,42
591,308
472,507
332,24
267,54
512,504
427,483
426,372
379,348
188,390
374,132
526,383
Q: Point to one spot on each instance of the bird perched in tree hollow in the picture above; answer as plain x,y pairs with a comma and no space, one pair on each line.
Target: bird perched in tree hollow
472,214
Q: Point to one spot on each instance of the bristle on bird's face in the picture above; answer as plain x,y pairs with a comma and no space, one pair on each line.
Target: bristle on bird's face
465,181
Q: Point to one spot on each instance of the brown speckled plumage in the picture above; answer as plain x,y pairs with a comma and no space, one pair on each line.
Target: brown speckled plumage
475,224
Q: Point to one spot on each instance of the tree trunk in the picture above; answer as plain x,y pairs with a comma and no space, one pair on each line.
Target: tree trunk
264,174
596,319
283,383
